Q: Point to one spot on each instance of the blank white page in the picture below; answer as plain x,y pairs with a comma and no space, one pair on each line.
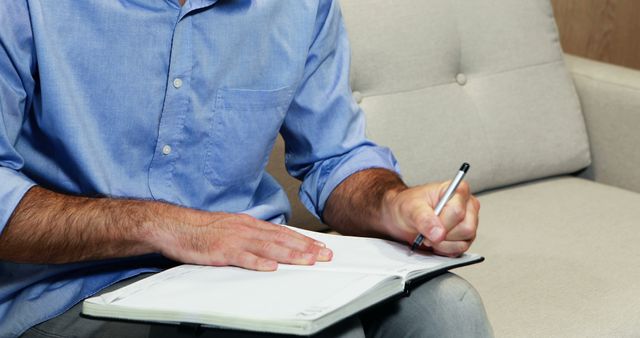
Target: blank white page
191,293
373,255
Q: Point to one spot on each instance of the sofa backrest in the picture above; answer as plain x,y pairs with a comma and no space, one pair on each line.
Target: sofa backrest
447,81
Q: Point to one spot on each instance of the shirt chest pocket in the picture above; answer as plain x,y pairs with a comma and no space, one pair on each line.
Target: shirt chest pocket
243,128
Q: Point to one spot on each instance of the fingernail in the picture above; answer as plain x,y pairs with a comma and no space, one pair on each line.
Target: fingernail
320,244
435,234
325,254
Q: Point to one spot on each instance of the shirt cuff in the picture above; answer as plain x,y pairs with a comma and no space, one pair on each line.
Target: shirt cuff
324,178
13,186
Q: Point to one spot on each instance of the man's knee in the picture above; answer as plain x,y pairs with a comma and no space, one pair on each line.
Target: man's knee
445,306
446,291
451,305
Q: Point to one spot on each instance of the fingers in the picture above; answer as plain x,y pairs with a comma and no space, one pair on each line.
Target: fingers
280,253
422,216
277,243
455,211
302,240
301,249
460,238
413,213
452,232
467,228
247,260
276,227
451,248
223,239
424,220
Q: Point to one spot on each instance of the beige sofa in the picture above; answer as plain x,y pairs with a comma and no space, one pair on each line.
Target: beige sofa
552,140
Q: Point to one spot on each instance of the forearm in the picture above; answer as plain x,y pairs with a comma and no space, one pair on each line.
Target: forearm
355,207
48,227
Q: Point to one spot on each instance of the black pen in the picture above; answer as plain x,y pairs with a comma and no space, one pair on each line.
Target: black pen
443,201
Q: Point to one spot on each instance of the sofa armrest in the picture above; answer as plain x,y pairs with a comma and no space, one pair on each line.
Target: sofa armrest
610,99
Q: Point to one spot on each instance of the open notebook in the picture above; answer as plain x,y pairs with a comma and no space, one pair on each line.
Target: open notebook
299,300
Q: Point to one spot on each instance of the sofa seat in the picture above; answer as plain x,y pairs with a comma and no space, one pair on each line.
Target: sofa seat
562,259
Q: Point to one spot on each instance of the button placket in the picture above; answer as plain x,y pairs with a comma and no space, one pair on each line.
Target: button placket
174,112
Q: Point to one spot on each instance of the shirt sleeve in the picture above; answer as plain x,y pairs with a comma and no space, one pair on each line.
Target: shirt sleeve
324,130
17,83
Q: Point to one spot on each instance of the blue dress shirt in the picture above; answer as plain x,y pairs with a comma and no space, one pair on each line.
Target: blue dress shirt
146,99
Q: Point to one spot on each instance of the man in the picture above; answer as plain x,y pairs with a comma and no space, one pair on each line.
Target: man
135,133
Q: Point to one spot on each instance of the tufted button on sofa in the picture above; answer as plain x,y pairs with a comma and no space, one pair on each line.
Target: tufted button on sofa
553,144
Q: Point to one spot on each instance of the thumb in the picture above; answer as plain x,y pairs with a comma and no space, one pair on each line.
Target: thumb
429,225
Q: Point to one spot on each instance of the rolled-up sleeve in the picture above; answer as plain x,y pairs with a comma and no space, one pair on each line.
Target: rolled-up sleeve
17,69
324,130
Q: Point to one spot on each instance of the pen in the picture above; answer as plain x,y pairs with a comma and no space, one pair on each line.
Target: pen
443,201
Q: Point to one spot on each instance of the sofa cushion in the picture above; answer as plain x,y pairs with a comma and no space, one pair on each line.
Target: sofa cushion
562,259
300,216
443,82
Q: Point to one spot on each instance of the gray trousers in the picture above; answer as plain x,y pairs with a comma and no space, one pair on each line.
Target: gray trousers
445,306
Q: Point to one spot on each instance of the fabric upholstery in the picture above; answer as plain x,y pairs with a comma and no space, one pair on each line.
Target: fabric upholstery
561,259
610,98
512,113
300,216
444,81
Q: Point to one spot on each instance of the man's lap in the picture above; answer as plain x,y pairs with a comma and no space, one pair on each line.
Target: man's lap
443,306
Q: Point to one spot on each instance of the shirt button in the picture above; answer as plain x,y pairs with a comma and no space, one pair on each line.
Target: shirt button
166,150
177,83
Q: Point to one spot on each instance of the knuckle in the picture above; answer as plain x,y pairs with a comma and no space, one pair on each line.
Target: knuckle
266,246
468,232
247,260
281,236
476,203
457,212
292,254
228,256
464,188
309,246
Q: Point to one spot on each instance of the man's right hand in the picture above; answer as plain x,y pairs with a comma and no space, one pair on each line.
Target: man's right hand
221,239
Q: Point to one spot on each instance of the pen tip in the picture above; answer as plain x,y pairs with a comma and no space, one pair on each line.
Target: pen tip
465,167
